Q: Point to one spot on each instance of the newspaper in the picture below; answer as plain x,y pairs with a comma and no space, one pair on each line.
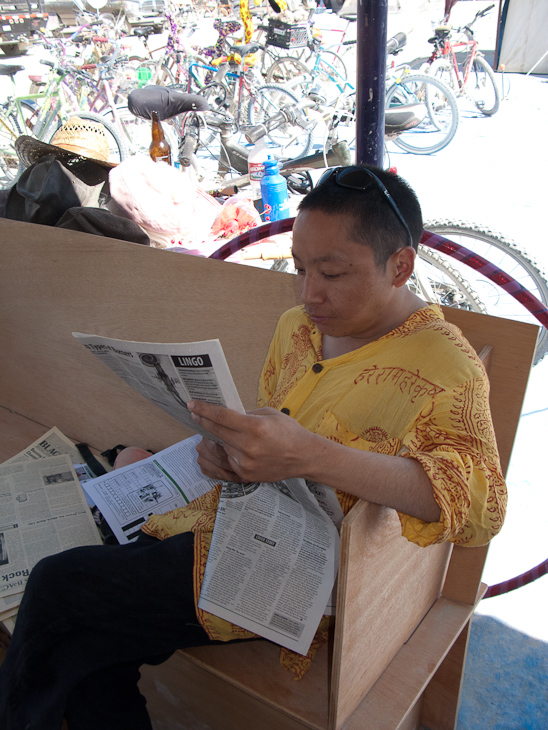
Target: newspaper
52,443
43,511
127,497
170,375
273,561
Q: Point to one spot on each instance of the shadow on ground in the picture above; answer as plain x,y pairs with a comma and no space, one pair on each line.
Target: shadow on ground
505,680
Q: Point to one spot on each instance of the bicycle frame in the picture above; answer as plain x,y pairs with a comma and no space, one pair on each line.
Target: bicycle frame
450,49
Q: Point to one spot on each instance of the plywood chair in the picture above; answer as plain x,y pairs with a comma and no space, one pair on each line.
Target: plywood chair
397,655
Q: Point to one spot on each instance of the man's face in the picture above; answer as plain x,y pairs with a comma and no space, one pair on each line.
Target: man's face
344,293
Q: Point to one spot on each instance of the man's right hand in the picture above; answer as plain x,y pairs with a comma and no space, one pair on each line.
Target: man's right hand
214,463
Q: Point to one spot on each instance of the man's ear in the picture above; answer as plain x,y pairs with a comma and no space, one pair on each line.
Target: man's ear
403,262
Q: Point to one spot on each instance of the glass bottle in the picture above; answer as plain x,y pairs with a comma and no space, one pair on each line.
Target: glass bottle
159,149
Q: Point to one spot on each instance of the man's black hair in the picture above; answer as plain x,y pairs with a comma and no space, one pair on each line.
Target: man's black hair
370,219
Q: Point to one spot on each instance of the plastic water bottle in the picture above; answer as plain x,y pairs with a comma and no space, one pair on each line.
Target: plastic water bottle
274,192
255,166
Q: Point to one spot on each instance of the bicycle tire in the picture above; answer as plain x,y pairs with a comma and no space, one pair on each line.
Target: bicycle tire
508,256
443,70
484,90
333,86
118,148
290,73
447,285
287,141
427,137
10,165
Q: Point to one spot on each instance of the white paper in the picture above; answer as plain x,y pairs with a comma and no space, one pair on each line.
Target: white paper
273,561
170,375
127,497
43,511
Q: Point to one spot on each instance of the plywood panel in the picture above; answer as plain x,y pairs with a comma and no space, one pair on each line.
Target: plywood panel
57,281
235,687
386,586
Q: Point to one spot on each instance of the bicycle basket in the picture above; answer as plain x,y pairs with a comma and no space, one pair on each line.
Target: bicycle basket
285,35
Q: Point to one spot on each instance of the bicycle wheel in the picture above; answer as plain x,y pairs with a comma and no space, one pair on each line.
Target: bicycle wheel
508,256
291,73
444,71
441,118
117,145
439,282
482,87
344,120
288,140
331,73
10,166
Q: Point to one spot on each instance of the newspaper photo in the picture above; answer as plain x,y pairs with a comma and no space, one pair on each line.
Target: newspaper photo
43,511
273,561
170,375
127,497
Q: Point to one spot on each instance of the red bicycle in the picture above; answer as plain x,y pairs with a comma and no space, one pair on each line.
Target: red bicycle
460,65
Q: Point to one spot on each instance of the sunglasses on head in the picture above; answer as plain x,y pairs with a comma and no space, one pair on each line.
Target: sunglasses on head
360,178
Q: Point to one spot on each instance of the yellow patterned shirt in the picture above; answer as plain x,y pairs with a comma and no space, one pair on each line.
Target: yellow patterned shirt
420,392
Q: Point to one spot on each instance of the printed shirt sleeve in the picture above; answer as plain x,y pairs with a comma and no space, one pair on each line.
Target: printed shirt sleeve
453,439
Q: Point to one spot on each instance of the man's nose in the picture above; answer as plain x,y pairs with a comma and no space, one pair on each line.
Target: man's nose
311,290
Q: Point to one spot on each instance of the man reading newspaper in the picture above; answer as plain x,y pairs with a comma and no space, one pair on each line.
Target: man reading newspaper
365,388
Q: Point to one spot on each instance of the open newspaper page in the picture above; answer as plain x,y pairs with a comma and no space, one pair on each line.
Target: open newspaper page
273,561
43,511
127,497
170,375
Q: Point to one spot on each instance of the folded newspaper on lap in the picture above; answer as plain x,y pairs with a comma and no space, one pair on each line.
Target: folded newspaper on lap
273,560
170,375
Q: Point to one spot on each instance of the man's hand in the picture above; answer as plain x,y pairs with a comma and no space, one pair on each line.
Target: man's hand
214,463
261,446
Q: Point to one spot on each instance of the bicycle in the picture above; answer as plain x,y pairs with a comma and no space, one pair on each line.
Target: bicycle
328,69
41,114
472,77
418,94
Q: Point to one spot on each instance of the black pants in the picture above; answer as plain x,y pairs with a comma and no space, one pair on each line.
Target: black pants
90,617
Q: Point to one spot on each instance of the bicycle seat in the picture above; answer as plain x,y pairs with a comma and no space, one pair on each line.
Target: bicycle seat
167,102
143,32
400,118
10,70
245,49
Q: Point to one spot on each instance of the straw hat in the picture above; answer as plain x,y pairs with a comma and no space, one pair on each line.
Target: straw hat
80,144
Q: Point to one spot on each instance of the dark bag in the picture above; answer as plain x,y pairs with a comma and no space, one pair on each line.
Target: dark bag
102,222
46,190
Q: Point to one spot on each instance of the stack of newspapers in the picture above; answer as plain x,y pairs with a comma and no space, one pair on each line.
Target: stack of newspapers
284,534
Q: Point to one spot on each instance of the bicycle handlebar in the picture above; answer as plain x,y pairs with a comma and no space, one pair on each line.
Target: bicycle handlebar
287,115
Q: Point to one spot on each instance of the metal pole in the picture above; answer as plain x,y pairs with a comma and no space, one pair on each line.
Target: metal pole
370,81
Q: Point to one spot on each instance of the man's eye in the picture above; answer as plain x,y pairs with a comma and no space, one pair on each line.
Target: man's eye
331,276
